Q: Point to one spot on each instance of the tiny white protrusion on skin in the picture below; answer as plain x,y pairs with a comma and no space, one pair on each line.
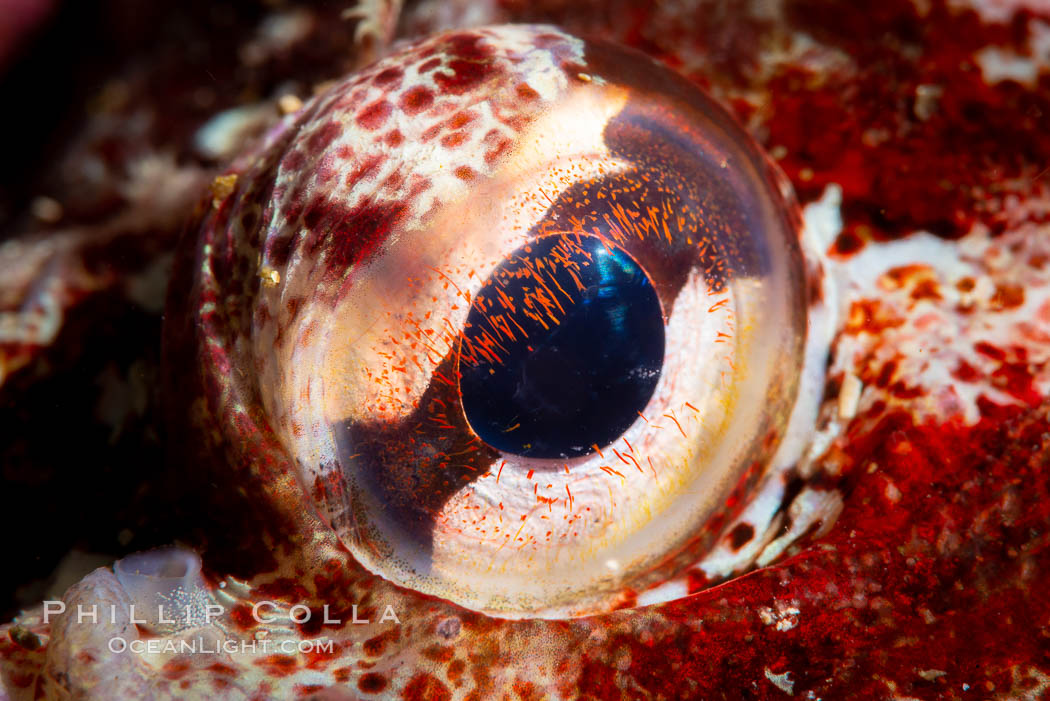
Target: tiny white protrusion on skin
849,396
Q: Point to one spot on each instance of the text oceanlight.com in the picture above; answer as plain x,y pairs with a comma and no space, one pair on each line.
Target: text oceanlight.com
158,646
171,619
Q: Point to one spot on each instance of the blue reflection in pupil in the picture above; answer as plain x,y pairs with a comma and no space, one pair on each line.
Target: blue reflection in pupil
562,349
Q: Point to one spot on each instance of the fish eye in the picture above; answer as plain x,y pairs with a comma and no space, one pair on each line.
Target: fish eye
528,312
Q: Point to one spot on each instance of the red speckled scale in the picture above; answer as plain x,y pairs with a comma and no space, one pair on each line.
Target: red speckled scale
900,556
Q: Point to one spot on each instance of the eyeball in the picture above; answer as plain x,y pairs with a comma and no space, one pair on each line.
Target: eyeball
527,311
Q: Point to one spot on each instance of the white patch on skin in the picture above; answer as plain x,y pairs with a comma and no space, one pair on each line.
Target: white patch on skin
782,616
1039,42
761,514
284,29
859,273
822,222
810,507
999,64
46,209
668,591
999,11
823,219
782,681
933,336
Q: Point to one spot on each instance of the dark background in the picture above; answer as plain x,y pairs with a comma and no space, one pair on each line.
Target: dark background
70,482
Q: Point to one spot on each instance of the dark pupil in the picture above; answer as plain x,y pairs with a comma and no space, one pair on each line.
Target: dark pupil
562,349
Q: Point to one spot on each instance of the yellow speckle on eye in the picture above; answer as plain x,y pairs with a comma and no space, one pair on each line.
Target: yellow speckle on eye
289,104
221,188
270,277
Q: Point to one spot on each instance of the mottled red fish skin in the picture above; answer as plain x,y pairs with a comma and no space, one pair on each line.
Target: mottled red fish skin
936,173
894,590
929,581
903,589
935,565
